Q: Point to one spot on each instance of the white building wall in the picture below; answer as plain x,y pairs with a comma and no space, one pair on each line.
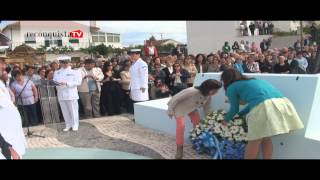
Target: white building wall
175,43
14,35
19,32
294,25
114,45
281,25
286,25
209,36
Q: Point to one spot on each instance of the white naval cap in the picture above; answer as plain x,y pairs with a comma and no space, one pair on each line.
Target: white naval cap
136,51
64,58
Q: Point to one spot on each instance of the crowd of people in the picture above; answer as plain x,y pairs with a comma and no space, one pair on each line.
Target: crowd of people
256,28
103,88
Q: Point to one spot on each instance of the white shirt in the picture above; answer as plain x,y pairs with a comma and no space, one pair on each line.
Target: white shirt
200,68
242,47
72,78
303,63
170,69
151,50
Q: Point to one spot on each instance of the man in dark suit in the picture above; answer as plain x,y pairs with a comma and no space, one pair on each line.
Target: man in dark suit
313,32
204,68
168,71
264,45
252,27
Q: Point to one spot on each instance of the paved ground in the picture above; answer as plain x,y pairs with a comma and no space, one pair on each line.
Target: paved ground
112,133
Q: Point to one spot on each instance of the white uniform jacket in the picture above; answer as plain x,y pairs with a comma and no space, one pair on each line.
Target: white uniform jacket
139,79
72,78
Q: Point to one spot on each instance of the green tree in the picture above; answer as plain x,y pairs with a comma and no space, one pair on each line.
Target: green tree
71,49
152,38
42,48
63,49
117,50
54,50
101,49
165,48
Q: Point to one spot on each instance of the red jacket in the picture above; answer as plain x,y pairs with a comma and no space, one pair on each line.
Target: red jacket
146,51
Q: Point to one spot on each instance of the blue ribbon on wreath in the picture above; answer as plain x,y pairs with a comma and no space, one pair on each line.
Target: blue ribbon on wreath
208,143
232,149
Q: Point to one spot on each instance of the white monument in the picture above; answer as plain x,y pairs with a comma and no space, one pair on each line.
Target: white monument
302,90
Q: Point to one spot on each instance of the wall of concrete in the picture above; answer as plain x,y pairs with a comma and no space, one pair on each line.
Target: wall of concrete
209,36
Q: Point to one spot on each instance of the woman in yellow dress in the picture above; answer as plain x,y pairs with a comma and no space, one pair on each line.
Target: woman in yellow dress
268,111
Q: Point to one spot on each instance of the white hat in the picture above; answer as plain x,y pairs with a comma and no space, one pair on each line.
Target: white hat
137,51
64,58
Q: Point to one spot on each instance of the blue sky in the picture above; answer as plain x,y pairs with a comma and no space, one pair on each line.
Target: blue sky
135,32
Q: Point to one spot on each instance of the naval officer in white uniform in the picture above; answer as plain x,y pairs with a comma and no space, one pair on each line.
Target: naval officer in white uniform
67,91
139,78
12,138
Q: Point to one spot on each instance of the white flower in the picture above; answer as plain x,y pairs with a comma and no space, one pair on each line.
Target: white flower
222,134
241,131
228,134
241,138
237,122
237,138
234,129
217,130
225,128
220,117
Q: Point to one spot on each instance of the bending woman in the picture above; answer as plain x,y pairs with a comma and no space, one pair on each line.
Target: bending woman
268,111
186,102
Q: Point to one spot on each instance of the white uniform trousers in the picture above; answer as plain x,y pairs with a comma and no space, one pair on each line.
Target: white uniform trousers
70,112
138,95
